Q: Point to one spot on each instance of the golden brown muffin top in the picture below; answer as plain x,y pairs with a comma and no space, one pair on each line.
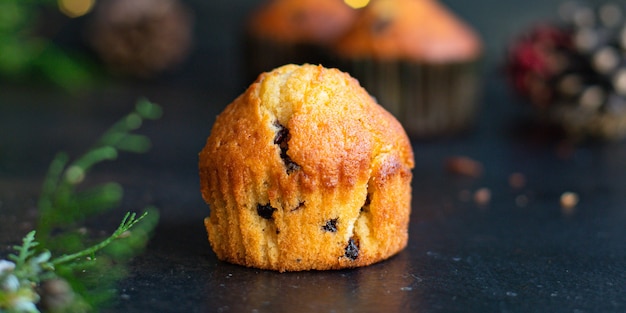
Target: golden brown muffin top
302,21
417,30
335,128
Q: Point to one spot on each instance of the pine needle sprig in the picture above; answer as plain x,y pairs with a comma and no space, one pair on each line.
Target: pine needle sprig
86,281
128,222
19,279
61,203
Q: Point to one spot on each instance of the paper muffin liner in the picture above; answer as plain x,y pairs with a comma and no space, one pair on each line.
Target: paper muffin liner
428,99
329,229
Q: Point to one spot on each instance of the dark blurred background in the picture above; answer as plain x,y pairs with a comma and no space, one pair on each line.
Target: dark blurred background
206,79
215,62
51,108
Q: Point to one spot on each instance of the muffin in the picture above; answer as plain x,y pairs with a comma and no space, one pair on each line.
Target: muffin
141,38
573,71
294,31
305,171
420,62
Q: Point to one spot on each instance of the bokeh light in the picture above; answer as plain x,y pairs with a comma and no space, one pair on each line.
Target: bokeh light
75,8
357,4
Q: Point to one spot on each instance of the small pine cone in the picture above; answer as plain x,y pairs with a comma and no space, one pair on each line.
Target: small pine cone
141,38
576,70
533,61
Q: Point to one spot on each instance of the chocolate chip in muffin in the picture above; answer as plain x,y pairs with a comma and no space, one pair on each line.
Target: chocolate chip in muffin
282,136
331,225
352,249
366,204
300,206
282,140
265,211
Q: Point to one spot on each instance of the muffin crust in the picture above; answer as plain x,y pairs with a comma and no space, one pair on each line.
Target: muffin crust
306,171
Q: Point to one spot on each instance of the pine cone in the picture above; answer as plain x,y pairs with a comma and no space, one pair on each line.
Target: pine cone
535,59
576,69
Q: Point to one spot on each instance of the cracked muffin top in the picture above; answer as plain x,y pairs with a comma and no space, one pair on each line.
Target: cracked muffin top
306,171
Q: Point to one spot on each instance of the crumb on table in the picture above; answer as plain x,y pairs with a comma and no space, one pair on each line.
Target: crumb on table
462,165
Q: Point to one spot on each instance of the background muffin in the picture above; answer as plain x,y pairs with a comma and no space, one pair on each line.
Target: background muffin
294,31
418,60
305,171
141,38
